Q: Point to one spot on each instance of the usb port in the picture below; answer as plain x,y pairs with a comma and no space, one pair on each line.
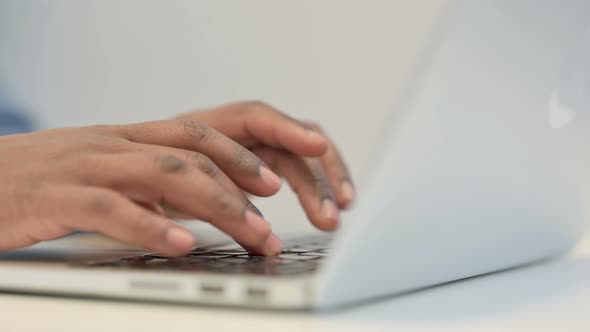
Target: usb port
212,289
256,293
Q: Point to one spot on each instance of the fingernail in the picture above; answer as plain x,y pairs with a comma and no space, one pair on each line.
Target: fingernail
257,223
269,177
329,210
347,191
314,135
180,238
273,245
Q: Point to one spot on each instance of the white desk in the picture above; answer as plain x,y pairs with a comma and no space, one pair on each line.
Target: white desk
553,296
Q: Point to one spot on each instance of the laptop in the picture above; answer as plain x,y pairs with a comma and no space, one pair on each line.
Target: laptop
473,175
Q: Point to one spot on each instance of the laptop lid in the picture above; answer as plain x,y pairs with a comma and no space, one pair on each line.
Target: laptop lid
477,172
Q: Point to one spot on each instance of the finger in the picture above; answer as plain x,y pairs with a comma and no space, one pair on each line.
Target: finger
202,163
154,207
139,200
166,179
114,215
337,172
240,164
172,213
308,180
205,164
253,122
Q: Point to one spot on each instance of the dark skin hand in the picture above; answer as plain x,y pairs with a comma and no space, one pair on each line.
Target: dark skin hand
127,181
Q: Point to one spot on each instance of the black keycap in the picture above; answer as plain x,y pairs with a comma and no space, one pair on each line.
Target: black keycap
309,247
233,259
315,254
301,256
201,250
211,255
297,250
230,252
295,256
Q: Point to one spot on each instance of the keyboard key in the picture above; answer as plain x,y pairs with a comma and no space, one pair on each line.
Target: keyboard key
316,254
297,250
211,255
295,256
201,250
309,247
230,252
299,256
233,259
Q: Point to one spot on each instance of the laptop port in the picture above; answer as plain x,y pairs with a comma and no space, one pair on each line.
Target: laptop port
155,285
211,289
256,293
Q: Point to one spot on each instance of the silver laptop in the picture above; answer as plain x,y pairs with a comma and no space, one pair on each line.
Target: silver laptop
475,174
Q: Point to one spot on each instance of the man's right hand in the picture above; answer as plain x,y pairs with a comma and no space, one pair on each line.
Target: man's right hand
98,179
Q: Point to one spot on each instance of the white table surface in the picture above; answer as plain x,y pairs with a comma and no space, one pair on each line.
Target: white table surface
552,296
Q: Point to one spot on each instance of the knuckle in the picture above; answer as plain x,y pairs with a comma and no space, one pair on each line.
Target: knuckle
102,202
243,158
310,180
124,131
226,204
198,131
257,106
133,132
170,164
83,167
323,188
204,163
325,191
320,180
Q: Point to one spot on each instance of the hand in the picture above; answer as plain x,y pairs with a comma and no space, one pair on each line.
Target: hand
114,180
109,180
299,151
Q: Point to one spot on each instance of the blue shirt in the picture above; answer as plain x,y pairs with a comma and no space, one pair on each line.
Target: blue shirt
13,120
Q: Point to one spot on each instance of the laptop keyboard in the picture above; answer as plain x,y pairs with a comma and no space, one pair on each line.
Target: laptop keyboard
300,255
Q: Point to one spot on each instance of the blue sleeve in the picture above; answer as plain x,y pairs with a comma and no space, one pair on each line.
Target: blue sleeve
13,120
